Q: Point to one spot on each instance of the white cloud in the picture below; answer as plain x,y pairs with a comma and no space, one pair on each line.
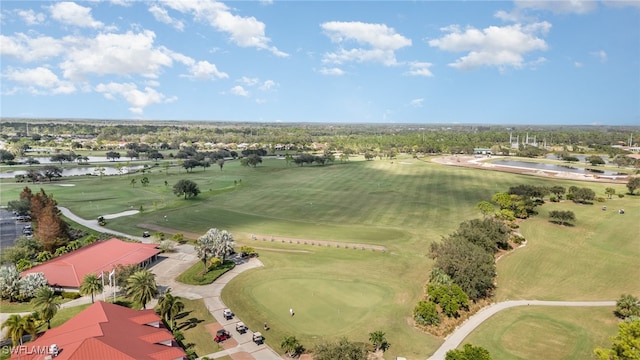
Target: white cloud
239,90
419,69
559,6
332,71
243,31
162,15
205,70
137,99
30,49
497,46
268,85
380,41
40,80
248,81
119,54
600,55
418,103
578,64
71,13
31,17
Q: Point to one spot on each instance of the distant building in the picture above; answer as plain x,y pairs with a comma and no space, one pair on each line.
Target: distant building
68,270
482,151
106,331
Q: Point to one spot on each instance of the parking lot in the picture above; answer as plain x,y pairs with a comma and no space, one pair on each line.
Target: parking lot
10,228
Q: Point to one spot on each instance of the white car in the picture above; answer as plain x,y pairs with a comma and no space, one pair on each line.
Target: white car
227,314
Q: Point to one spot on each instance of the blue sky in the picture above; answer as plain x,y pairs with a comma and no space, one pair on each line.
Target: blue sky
498,62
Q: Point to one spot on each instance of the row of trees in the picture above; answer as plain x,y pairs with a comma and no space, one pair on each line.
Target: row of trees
341,349
464,269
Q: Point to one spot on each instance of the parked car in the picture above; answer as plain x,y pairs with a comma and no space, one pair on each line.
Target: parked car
241,327
221,335
146,234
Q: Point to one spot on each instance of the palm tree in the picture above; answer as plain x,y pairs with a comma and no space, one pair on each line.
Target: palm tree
627,305
14,328
378,340
169,307
141,286
46,303
91,284
18,325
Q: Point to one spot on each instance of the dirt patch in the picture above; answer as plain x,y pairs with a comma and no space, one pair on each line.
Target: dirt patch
269,238
242,355
310,242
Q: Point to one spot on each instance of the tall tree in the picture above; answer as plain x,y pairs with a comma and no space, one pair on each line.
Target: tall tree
610,192
206,246
141,287
223,244
91,284
51,229
633,184
187,188
46,303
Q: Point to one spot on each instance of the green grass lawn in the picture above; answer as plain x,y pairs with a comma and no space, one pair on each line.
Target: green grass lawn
191,322
404,205
194,276
545,333
593,260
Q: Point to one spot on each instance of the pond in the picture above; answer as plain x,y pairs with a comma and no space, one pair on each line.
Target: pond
90,170
47,160
555,167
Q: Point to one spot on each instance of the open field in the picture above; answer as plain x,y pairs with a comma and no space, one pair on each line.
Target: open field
593,260
403,205
545,333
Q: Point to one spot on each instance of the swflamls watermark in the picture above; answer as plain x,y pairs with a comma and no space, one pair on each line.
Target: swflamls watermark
25,350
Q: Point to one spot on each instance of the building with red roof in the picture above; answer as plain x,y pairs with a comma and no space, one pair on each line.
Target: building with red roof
106,331
68,270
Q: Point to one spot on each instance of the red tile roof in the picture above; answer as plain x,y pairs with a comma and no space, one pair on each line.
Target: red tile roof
108,331
69,269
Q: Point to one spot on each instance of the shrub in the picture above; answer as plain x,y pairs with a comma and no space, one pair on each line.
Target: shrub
214,263
70,295
425,313
600,199
553,199
620,196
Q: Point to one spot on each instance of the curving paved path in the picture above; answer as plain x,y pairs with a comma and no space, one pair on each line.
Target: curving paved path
456,338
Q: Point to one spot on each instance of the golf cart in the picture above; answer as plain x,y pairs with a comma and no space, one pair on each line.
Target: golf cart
257,338
146,234
227,314
241,327
221,335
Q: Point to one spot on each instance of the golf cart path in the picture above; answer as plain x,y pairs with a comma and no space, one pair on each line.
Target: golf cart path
177,262
455,338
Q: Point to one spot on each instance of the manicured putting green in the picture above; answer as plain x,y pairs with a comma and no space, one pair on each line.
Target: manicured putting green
321,306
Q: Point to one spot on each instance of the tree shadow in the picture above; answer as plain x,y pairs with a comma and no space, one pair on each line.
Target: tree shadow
183,314
189,324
